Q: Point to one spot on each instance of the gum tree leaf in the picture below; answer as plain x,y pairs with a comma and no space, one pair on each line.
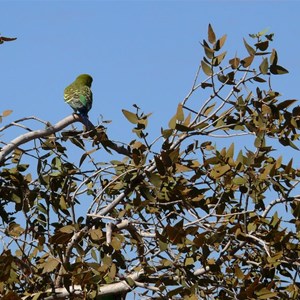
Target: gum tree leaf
250,50
206,68
262,46
211,35
220,43
131,117
274,57
246,62
278,70
234,62
264,66
6,113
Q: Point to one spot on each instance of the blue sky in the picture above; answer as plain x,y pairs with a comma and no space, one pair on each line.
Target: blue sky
143,52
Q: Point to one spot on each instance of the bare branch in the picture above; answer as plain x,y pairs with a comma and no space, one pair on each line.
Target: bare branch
277,201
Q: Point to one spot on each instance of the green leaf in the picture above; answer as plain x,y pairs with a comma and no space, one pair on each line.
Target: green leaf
270,36
278,70
96,234
17,154
206,68
264,293
131,117
285,104
187,120
56,163
41,208
208,109
246,62
250,50
50,265
259,79
262,46
116,243
273,57
166,133
67,229
182,128
264,66
263,32
264,175
107,260
94,255
172,122
211,34
15,230
220,43
208,52
230,151
180,113
82,159
130,281
222,78
218,59
219,171
278,162
239,180
78,142
189,261
206,84
234,62
62,203
159,165
155,179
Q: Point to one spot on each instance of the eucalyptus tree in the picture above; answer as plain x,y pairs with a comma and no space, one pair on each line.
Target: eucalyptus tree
209,210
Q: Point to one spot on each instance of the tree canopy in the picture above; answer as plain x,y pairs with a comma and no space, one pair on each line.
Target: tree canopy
208,210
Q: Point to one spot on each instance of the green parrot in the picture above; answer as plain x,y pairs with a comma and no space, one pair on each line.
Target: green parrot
79,96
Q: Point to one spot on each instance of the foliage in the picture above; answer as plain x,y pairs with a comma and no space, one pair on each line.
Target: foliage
178,218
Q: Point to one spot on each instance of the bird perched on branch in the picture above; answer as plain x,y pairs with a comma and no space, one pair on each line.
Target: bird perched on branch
79,96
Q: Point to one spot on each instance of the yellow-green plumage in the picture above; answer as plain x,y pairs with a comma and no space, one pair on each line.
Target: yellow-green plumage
79,95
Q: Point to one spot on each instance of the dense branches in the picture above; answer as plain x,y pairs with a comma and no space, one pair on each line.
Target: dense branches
179,217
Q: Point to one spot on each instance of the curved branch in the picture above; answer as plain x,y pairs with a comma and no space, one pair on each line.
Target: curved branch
108,289
27,137
16,123
279,200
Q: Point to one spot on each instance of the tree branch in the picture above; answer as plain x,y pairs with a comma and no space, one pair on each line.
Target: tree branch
27,137
108,289
75,239
279,200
